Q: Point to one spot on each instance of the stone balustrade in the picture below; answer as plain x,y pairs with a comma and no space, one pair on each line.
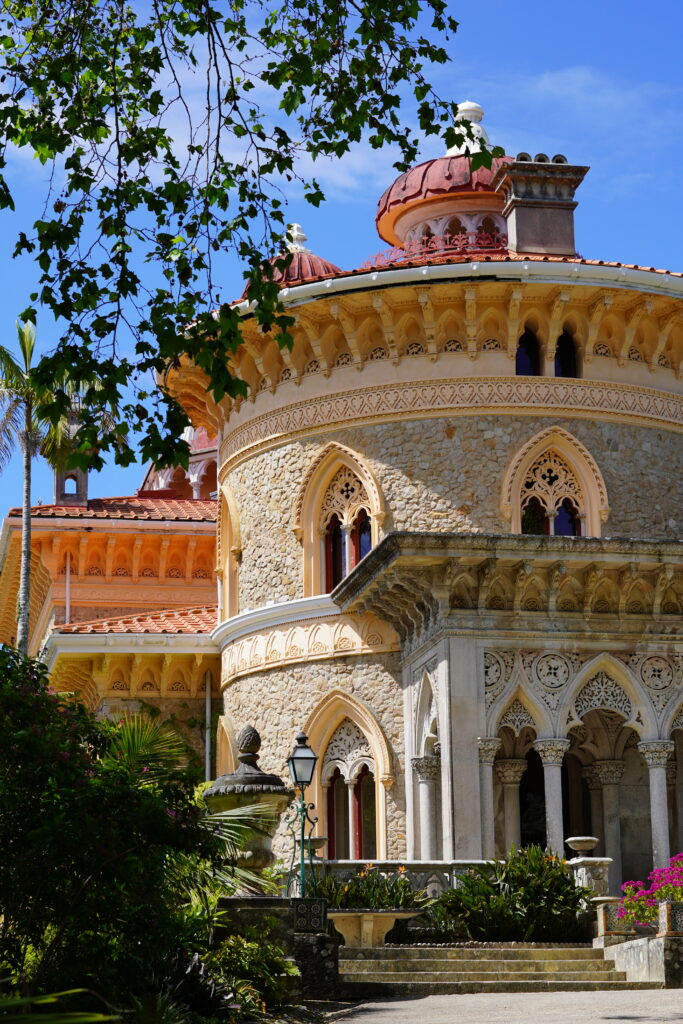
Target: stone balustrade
435,876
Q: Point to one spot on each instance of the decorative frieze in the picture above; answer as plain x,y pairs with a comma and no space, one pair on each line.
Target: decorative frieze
601,691
307,641
452,397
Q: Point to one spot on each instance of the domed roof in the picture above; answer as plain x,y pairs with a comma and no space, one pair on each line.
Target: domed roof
444,176
304,266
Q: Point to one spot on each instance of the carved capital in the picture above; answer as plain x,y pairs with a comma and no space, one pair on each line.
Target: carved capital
590,774
609,772
427,769
552,750
510,770
488,748
656,752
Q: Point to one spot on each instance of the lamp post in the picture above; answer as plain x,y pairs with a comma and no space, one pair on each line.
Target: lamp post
301,763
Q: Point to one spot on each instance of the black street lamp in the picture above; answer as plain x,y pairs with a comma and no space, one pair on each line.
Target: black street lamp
301,763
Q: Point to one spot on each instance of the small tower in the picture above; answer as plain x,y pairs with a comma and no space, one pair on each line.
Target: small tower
71,487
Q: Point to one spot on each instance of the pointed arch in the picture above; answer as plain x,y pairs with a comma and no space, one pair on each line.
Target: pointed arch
226,748
426,718
604,666
320,727
513,705
580,462
228,552
306,520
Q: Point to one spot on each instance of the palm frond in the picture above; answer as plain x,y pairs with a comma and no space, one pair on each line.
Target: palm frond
12,377
26,334
11,423
150,751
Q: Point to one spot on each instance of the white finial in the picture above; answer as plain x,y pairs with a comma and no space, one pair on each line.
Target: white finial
472,112
298,237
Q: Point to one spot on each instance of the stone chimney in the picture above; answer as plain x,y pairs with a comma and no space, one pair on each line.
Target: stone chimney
71,487
539,203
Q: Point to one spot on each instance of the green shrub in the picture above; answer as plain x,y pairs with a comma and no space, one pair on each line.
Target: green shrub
527,897
258,973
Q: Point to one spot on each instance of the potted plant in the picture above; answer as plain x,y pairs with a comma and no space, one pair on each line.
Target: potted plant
366,906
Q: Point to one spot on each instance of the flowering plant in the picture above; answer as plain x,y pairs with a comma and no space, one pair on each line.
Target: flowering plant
370,890
640,904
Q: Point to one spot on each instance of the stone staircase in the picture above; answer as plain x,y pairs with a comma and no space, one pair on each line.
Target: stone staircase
440,970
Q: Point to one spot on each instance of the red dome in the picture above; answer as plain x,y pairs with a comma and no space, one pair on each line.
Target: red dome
433,179
305,266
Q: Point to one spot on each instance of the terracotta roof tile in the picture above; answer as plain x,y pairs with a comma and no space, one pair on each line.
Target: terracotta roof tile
171,620
159,509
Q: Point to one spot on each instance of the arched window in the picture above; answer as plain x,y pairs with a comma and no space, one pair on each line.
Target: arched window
346,526
528,360
566,364
551,498
349,776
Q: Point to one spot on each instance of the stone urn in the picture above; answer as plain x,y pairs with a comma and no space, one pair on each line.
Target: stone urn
367,929
582,844
249,786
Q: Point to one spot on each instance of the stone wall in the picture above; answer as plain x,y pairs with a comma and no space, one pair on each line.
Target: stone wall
445,474
278,702
657,959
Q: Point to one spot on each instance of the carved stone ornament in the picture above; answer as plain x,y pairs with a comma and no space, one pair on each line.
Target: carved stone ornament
678,721
488,748
248,778
552,751
498,666
552,670
590,773
345,497
510,770
550,479
609,773
427,769
348,750
601,691
657,673
656,752
517,717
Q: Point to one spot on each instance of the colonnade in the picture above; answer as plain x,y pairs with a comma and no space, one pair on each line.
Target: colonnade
603,779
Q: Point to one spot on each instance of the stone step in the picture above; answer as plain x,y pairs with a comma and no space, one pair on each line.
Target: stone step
471,953
512,967
438,977
386,990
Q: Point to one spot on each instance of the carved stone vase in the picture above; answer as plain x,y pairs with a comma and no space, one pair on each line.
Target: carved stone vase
249,786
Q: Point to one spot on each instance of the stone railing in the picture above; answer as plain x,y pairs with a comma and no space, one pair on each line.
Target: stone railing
434,876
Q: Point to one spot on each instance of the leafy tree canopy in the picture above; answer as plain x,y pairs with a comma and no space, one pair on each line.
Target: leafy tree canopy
151,185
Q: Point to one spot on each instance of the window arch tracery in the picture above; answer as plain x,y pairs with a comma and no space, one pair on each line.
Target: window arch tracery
553,486
552,498
348,775
345,523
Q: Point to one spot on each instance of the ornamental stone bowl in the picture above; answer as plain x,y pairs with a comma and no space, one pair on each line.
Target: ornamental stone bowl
367,928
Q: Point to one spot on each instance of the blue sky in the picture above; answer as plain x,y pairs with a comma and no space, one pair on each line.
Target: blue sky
599,82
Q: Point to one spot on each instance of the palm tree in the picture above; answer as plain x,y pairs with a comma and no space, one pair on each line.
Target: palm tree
21,422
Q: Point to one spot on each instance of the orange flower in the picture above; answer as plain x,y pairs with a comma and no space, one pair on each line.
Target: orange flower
401,869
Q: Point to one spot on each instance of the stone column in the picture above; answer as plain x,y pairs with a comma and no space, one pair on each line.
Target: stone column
488,748
609,773
552,753
510,772
427,770
656,753
346,529
678,740
589,773
671,776
351,813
